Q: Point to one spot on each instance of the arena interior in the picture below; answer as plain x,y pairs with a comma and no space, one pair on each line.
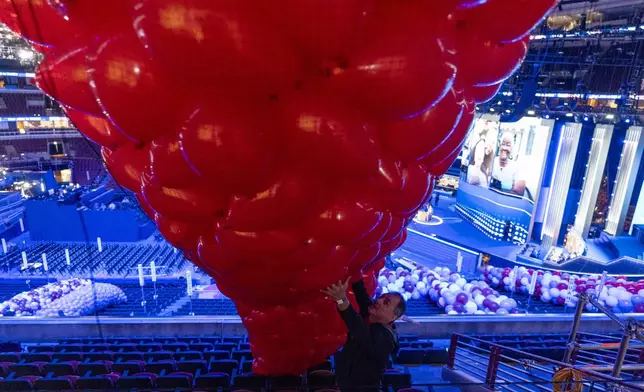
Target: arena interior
533,286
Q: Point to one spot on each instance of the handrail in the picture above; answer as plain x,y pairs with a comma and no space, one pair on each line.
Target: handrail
495,359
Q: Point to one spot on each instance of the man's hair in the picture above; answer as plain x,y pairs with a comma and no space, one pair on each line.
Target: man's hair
402,305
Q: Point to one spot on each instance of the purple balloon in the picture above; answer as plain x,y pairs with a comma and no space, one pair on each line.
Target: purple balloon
514,311
487,291
493,306
639,308
462,298
487,302
458,307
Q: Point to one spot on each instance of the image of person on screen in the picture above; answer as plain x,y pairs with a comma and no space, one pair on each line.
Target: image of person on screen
505,173
478,170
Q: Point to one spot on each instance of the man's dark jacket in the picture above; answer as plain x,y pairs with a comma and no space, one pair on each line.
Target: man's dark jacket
363,359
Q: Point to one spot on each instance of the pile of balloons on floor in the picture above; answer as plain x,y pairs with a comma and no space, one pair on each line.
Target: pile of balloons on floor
449,290
280,144
72,297
560,288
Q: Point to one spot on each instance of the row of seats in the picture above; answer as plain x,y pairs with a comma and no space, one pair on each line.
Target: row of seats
206,362
116,259
319,380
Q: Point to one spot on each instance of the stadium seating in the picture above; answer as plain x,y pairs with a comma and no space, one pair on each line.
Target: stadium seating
22,104
210,362
116,259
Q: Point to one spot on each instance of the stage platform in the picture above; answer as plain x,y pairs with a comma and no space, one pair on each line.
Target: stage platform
34,330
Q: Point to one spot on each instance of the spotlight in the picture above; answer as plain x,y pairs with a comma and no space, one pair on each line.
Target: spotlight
627,121
492,109
531,112
610,116
547,116
569,114
585,118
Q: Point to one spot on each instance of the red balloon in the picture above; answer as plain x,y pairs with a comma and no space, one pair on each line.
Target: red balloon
523,16
482,94
126,164
279,148
180,234
168,166
231,146
414,138
440,168
485,62
98,129
184,204
96,18
124,78
36,21
377,233
452,142
225,45
276,206
320,29
411,196
64,75
344,222
401,52
329,138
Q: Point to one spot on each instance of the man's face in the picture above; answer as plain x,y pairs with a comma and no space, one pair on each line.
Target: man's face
506,148
383,308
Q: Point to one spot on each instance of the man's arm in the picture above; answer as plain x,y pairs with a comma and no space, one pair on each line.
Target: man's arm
362,297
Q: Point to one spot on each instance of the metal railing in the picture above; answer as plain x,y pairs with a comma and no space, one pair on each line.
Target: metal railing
501,367
606,353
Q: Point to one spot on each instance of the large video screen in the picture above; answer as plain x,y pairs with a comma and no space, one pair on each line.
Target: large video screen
501,171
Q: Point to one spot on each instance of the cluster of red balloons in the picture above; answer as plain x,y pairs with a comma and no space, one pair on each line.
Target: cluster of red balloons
282,144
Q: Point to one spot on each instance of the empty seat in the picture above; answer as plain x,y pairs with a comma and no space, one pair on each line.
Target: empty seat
227,366
192,366
123,347
10,357
94,347
232,339
55,384
166,366
188,339
175,380
176,347
69,348
244,346
158,355
131,367
95,368
212,381
97,382
225,346
216,354
68,356
326,365
20,384
26,369
187,355
60,368
239,354
145,347
131,356
104,356
42,348
201,347
137,381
